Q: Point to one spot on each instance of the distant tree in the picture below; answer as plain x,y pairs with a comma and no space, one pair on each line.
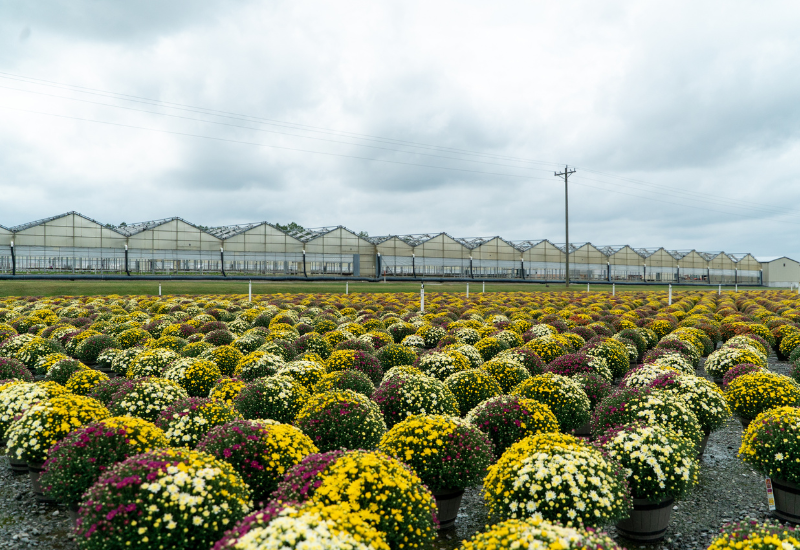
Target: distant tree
363,234
290,227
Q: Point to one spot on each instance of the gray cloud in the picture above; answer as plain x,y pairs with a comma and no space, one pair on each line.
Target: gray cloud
698,99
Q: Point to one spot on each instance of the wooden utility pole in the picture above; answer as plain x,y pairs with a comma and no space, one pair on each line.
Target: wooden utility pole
566,174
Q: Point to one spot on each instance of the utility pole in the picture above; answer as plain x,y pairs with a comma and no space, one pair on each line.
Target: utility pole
566,174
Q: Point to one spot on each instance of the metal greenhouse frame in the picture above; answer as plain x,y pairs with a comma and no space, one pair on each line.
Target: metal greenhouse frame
74,245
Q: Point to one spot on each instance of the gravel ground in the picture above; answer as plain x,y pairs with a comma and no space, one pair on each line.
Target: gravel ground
728,490
26,524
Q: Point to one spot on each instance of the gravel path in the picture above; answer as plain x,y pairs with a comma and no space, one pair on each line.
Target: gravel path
728,490
26,524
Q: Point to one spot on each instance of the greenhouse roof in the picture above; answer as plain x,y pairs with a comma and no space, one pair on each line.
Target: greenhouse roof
380,239
24,226
227,231
135,228
522,246
311,233
608,250
678,254
769,259
572,246
28,225
646,252
708,256
306,234
737,256
412,239
416,239
473,242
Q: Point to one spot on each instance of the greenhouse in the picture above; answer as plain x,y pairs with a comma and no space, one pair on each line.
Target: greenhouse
72,243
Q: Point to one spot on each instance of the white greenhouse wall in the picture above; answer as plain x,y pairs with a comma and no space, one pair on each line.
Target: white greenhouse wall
74,243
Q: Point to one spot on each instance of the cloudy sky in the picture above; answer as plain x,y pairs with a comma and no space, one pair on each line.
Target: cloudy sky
682,118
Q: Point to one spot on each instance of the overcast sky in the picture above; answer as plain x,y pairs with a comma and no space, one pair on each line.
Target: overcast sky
682,118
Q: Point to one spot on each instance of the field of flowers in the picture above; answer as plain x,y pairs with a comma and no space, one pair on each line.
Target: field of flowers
358,421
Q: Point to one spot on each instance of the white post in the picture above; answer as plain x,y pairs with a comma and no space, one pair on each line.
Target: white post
719,291
484,286
587,287
422,297
347,287
736,287
613,289
249,291
670,294
467,291
159,289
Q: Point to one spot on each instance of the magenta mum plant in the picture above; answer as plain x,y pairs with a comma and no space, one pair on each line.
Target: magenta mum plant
77,461
14,369
133,504
261,452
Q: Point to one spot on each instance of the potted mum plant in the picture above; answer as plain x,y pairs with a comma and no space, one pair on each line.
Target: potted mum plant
472,386
113,511
31,436
753,393
527,482
341,420
76,462
370,481
703,397
260,451
649,406
15,399
408,394
508,418
276,397
564,396
771,445
448,454
186,421
295,527
661,466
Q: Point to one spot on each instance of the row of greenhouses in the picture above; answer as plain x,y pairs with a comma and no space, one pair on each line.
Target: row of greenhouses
73,243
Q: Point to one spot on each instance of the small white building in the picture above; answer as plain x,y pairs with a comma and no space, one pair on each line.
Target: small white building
781,272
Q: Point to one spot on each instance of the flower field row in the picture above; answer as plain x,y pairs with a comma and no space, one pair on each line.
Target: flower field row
357,421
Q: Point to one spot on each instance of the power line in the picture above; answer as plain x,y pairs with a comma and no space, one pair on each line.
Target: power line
243,142
251,118
713,199
724,201
279,147
269,131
